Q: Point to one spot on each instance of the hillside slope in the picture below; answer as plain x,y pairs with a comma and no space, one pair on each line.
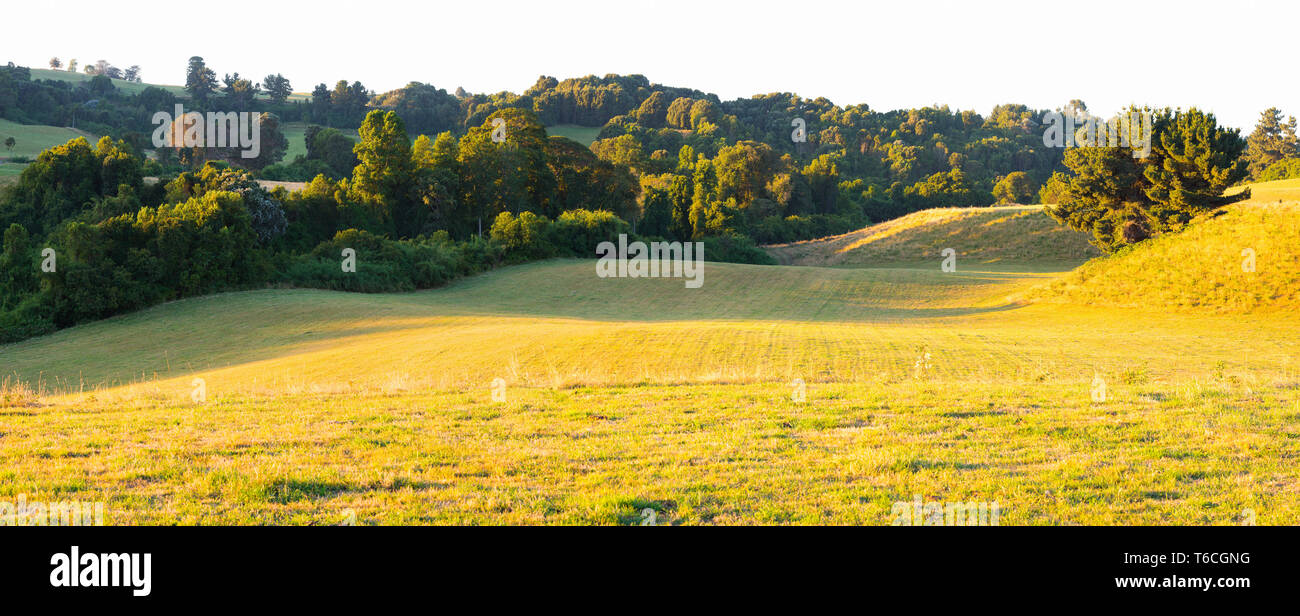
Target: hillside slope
1204,268
555,324
131,87
985,235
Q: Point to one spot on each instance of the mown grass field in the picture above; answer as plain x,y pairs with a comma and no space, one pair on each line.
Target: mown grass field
582,134
627,394
9,172
32,139
296,133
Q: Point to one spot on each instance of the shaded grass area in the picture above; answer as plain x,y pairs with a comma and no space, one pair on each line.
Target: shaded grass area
9,172
296,133
582,134
32,139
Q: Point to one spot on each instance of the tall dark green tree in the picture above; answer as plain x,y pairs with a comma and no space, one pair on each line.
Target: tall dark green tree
277,87
1121,198
200,81
384,176
1271,141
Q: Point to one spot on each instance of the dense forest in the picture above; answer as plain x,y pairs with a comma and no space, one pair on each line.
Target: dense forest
442,184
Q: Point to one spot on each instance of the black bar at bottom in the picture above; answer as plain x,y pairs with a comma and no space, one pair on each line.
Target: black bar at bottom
236,567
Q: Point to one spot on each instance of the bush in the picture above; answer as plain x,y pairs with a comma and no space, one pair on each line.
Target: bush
300,170
777,230
577,232
31,317
1281,170
735,249
384,265
524,237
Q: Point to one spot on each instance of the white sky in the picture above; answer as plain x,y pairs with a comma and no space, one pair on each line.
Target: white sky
1234,58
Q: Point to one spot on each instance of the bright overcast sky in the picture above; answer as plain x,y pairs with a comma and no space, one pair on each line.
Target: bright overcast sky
1234,58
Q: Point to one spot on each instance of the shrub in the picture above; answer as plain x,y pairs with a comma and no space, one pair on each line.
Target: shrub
735,249
777,230
577,232
524,237
1281,170
384,265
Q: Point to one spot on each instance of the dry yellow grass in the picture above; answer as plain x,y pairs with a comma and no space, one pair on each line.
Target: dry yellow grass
1243,259
983,236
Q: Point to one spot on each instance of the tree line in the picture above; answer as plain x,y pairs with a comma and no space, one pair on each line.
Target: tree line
442,185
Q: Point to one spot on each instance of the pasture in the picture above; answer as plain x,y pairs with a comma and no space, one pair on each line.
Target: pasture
772,395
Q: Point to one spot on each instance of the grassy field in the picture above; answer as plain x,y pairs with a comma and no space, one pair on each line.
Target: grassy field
296,133
1271,192
582,134
32,139
130,87
9,172
626,394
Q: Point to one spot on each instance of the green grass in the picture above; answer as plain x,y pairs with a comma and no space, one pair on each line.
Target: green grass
9,172
32,139
582,134
296,133
626,394
132,88
127,87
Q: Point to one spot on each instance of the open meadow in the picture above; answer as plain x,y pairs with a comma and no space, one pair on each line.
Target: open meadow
773,394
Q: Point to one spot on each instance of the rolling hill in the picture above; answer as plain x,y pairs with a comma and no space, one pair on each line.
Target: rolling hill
985,236
131,87
1242,259
32,139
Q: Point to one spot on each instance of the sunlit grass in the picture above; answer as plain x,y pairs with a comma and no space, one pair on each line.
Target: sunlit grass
627,394
1243,260
1199,452
1021,234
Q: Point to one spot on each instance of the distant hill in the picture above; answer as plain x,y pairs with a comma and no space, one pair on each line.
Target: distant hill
130,87
986,235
